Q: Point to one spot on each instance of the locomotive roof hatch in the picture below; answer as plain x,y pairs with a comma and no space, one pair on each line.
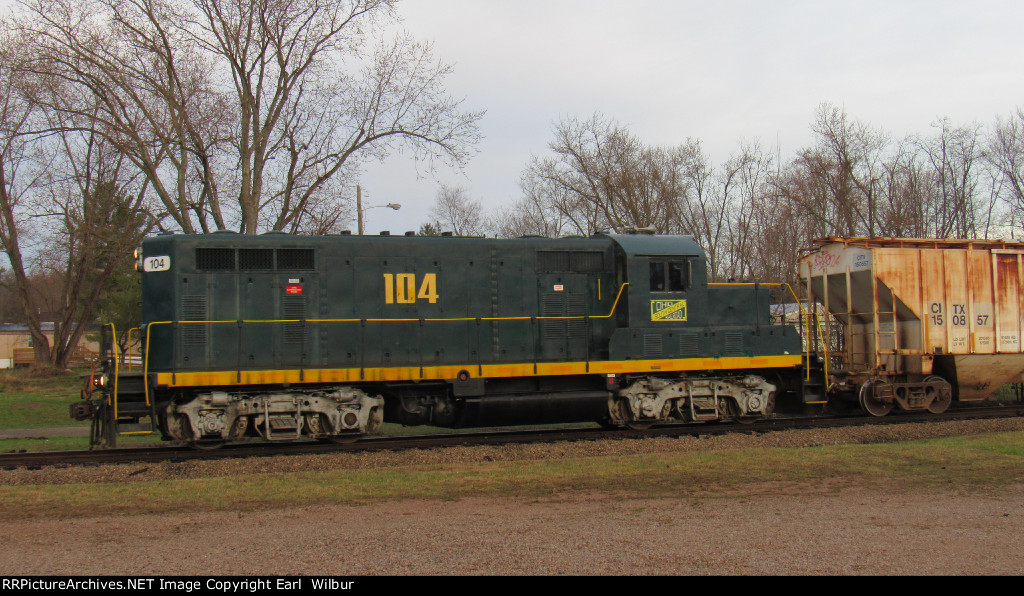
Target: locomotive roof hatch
647,245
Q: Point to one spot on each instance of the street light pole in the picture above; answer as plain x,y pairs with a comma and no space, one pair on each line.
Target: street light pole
359,208
360,211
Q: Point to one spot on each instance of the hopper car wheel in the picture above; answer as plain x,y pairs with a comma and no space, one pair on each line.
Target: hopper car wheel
939,404
868,402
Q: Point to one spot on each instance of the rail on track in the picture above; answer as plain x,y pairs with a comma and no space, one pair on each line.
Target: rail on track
36,460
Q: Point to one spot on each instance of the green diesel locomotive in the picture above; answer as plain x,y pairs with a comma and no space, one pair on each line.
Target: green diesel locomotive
327,337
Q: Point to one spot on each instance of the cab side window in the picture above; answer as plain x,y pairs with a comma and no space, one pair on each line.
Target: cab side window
657,277
670,276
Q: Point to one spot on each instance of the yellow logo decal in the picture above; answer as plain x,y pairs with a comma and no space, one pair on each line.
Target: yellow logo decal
668,310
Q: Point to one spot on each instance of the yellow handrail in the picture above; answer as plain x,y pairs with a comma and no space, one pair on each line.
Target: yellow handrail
804,316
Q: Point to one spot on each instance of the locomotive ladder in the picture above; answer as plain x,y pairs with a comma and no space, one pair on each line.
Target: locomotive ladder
125,409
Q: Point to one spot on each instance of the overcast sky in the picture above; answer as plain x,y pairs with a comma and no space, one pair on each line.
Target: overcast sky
721,72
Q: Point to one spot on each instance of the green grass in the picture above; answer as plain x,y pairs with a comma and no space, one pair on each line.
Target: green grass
1006,393
32,444
30,399
973,463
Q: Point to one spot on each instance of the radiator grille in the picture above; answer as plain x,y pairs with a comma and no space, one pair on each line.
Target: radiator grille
551,261
688,344
577,307
215,259
295,258
194,308
733,343
653,346
294,307
255,259
553,305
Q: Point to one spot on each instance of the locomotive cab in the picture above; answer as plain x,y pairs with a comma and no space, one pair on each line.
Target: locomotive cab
667,282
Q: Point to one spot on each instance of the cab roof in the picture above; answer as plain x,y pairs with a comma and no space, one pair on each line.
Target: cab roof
657,245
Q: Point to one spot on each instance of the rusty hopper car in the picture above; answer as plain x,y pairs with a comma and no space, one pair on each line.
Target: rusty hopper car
917,324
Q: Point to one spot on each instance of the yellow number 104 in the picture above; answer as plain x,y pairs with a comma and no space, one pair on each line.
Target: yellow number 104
401,288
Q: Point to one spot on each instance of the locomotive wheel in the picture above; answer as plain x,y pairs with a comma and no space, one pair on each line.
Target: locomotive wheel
208,445
639,425
869,404
941,403
345,439
200,444
627,414
732,413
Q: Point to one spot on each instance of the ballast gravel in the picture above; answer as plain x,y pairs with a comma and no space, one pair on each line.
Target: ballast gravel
796,529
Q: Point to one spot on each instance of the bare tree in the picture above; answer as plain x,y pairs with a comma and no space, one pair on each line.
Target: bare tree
1006,155
905,193
537,213
99,215
549,209
953,155
744,185
23,165
128,66
702,208
836,181
603,177
779,229
60,174
250,114
454,210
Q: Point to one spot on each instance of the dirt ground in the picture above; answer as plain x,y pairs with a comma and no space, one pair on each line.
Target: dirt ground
798,530
816,527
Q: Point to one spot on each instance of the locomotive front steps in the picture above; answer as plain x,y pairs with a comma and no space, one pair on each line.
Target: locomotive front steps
134,428
814,388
